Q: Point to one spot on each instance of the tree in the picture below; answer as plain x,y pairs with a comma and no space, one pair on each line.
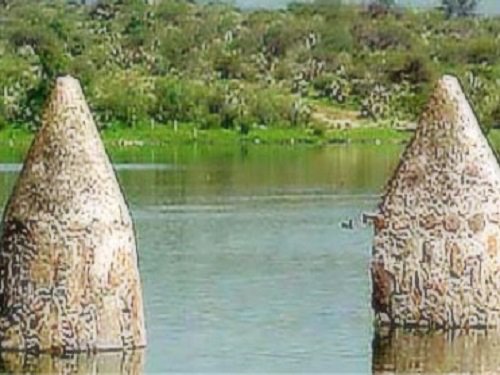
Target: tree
459,8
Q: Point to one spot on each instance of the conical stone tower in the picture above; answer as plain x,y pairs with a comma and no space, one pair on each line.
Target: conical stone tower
69,279
435,259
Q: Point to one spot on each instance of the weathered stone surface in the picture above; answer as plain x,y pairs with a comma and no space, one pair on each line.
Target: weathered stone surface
447,192
69,279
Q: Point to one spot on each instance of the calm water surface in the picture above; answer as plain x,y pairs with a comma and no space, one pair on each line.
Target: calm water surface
245,267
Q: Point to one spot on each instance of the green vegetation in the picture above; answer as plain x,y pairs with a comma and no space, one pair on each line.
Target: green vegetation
320,72
18,140
123,137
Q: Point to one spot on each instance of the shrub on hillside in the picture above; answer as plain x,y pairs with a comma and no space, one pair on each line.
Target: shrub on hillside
412,67
478,50
269,107
382,35
124,96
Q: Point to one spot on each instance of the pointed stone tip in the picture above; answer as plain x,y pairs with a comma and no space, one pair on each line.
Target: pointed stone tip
448,110
67,80
67,88
449,79
450,84
68,124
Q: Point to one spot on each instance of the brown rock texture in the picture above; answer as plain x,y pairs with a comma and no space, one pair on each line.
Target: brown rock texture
435,261
69,278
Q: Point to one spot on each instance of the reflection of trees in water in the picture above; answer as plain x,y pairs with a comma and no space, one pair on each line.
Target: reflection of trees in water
103,363
436,352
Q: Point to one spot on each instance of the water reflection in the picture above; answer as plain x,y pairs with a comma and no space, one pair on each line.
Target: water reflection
131,362
228,238
402,351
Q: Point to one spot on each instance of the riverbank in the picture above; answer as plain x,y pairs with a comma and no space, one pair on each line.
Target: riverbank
185,135
162,135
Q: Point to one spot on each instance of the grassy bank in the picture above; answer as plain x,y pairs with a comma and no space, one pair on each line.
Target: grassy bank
144,137
161,135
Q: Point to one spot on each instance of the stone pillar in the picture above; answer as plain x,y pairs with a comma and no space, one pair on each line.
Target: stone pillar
69,279
435,261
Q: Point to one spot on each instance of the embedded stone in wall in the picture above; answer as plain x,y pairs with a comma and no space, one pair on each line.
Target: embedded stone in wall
444,200
69,278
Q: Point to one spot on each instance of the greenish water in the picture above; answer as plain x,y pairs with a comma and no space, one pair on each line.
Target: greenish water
245,267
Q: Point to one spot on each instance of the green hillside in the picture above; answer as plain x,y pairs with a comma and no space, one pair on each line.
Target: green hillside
318,67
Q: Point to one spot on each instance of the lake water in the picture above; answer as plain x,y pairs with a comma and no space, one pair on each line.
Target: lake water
246,269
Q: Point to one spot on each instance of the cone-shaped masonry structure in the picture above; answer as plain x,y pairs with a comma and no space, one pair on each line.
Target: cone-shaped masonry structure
435,257
69,279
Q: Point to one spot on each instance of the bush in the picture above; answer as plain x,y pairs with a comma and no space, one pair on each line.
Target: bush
123,96
179,99
383,35
228,65
210,121
323,83
413,67
279,38
494,117
334,38
484,49
269,107
3,115
46,46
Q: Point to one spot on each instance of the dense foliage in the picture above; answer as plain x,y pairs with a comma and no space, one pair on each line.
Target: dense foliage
214,66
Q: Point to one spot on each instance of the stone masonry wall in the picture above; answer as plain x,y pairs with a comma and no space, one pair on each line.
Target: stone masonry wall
435,260
69,279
